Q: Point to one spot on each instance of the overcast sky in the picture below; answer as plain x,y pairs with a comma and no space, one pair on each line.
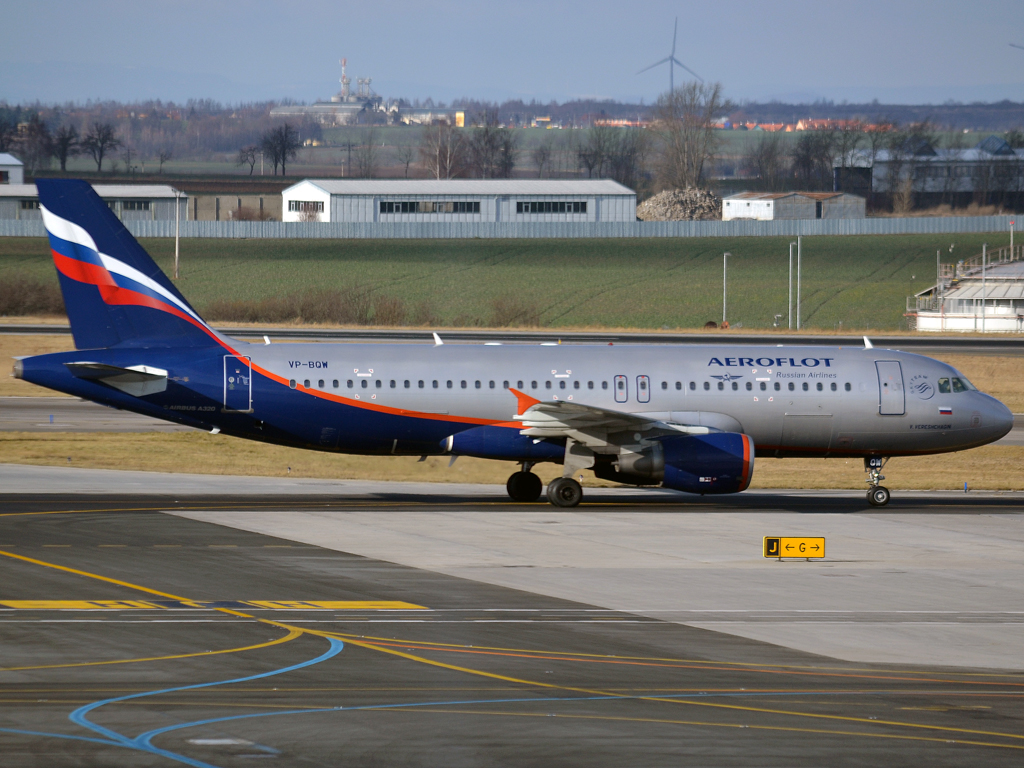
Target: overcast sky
905,51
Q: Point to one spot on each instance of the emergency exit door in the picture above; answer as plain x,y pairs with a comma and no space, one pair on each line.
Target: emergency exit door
891,396
237,384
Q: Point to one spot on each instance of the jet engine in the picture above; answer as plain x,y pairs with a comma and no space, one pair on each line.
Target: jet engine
718,462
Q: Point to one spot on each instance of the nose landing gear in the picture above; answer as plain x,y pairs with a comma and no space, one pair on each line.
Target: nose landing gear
878,495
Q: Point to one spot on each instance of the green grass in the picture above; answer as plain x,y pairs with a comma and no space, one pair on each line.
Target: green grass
861,282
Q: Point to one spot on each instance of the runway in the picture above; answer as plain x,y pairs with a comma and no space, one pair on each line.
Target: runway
193,641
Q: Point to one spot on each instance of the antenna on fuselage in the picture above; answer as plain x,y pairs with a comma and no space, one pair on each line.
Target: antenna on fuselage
437,340
868,344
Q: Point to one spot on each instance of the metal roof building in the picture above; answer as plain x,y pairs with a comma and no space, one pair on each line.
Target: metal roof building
12,171
458,200
769,206
971,296
131,202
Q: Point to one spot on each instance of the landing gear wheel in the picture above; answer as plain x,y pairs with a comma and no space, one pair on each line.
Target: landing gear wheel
524,486
565,492
878,496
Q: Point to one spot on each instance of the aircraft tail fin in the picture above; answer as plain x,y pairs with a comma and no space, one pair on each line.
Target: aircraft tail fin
114,293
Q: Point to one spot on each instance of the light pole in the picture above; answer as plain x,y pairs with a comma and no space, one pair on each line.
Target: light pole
177,220
798,252
984,264
725,278
789,311
1011,239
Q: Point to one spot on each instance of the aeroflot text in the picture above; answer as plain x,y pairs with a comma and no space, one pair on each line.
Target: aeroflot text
778,362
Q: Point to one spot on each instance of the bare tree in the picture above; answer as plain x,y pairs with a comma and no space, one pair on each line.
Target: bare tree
443,151
166,154
65,145
280,145
595,152
684,121
541,156
406,153
492,149
36,144
814,158
247,156
367,155
767,160
8,134
627,157
100,140
127,153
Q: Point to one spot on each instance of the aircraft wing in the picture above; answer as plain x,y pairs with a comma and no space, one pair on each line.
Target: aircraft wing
592,426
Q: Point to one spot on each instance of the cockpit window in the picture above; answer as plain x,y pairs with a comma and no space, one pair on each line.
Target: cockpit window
958,385
943,386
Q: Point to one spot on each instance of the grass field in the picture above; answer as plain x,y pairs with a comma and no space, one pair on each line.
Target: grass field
855,284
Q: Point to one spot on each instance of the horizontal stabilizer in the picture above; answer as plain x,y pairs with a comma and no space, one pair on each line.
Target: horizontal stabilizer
136,380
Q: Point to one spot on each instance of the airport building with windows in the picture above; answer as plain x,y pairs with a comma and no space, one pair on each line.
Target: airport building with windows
131,202
458,200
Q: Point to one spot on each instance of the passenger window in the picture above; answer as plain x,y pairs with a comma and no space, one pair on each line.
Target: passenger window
778,386
491,383
377,383
693,385
792,386
477,384
820,386
320,384
292,383
394,383
707,385
533,385
449,384
804,386
364,383
435,383
721,386
575,385
833,386
764,386
547,385
335,383
750,386
419,383
958,386
664,385
604,385
306,383
590,385
847,386
943,386
519,384
561,385
735,386
622,385
350,383
407,383
504,385
463,384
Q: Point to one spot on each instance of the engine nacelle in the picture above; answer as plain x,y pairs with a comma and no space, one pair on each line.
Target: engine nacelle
502,443
719,462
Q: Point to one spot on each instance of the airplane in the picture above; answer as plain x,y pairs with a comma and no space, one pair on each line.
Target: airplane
684,418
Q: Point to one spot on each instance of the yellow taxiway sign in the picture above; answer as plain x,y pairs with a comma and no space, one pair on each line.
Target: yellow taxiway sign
794,546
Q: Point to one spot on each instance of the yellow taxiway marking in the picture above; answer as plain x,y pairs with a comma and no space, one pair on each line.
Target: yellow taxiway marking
360,642
272,605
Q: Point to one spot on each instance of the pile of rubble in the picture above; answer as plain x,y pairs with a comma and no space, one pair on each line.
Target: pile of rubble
681,205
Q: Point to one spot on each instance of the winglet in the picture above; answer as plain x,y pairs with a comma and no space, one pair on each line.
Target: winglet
437,340
524,401
868,344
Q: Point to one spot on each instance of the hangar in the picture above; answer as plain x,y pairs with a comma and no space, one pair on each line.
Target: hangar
768,206
131,202
458,200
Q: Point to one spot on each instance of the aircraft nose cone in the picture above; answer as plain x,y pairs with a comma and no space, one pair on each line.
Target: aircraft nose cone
1000,417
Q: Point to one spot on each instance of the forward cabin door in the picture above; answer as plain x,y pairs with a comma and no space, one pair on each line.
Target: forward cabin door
237,384
891,397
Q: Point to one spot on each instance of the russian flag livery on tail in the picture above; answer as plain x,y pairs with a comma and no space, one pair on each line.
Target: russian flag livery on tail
635,414
110,283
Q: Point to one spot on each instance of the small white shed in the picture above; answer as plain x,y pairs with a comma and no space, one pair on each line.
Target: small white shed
12,171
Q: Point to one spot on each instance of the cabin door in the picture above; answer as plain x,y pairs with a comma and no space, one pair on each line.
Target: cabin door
237,384
891,397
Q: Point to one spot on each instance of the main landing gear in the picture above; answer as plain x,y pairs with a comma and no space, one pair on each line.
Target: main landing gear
878,495
565,492
524,486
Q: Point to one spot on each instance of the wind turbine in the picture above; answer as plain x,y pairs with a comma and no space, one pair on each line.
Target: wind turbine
672,61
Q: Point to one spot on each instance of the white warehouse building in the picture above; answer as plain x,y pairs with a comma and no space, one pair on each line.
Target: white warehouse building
458,200
769,206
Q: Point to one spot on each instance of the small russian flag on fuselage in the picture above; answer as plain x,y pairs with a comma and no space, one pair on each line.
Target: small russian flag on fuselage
943,411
